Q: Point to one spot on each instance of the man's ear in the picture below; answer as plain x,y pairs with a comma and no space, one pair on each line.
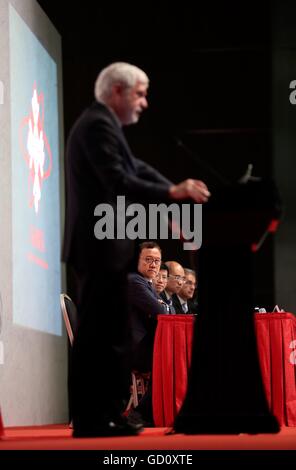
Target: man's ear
117,89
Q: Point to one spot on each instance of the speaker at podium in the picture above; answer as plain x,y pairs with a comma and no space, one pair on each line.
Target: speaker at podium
225,390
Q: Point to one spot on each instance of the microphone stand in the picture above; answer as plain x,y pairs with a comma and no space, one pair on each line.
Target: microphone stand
203,164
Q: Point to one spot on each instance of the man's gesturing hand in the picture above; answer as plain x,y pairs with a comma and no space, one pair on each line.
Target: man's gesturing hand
194,189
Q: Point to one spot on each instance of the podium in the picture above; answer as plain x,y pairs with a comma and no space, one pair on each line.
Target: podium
225,391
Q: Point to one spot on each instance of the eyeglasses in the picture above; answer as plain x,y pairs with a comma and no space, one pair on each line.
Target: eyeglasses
177,278
190,283
162,276
150,260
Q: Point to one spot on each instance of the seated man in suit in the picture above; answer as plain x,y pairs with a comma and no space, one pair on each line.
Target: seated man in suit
144,306
176,279
186,293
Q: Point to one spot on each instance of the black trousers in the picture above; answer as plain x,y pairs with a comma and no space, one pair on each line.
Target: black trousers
99,376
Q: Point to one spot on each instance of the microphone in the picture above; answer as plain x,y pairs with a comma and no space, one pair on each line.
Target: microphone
248,175
202,163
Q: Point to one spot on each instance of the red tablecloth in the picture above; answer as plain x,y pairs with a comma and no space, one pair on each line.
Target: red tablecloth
276,339
171,361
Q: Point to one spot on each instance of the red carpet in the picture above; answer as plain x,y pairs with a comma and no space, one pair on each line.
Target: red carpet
59,438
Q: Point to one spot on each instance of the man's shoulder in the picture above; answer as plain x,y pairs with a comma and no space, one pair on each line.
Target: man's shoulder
96,113
163,296
136,278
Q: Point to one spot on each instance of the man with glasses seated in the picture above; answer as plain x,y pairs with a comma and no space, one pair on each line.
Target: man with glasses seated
160,282
186,293
144,306
175,282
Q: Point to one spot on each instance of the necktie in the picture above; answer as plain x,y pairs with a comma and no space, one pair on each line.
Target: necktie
185,307
172,309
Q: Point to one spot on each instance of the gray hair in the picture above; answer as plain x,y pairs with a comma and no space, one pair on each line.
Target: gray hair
190,271
118,72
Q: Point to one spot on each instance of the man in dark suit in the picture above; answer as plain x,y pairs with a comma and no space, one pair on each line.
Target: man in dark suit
99,168
186,294
175,282
144,305
161,280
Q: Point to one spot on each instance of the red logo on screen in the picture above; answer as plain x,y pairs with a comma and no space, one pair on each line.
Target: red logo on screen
35,148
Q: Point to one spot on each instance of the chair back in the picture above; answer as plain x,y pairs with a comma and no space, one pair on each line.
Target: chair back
70,316
1,426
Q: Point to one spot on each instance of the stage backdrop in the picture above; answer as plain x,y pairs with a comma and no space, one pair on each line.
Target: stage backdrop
33,345
284,147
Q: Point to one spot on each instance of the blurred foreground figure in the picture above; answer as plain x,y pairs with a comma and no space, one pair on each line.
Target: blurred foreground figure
99,168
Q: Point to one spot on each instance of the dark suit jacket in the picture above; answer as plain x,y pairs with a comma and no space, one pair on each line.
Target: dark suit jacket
99,167
192,307
177,304
164,297
144,307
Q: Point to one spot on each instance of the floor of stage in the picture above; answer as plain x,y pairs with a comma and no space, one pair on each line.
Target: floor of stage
59,437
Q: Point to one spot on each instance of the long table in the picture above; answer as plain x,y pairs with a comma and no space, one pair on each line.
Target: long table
171,362
276,341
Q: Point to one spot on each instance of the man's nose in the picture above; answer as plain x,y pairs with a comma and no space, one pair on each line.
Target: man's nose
144,103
